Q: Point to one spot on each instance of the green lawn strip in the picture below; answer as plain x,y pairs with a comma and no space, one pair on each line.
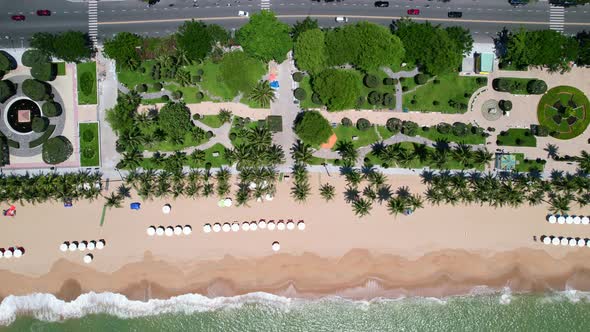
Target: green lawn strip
88,159
61,68
517,133
147,163
523,165
434,135
384,132
169,146
152,101
365,137
546,112
320,161
43,138
211,121
523,83
87,98
306,85
409,83
132,78
189,93
212,81
451,87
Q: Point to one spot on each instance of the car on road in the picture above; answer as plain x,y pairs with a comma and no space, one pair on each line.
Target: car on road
413,11
455,14
18,17
381,3
43,12
242,13
341,19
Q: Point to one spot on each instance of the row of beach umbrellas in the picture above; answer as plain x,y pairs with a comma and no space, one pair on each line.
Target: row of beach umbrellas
82,245
565,241
576,220
15,252
253,226
169,231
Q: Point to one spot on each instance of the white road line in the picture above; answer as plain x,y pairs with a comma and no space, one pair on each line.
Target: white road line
556,18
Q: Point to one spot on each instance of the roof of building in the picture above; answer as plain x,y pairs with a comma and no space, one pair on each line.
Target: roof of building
487,62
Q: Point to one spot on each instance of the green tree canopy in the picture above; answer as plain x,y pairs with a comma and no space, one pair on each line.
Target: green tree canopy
121,116
265,37
338,89
7,90
461,37
218,34
34,89
123,48
299,27
70,46
584,48
175,120
33,57
312,128
44,71
310,51
194,38
431,47
240,72
4,63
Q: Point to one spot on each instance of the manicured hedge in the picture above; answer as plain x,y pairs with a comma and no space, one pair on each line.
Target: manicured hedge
300,93
7,90
34,57
39,124
44,71
51,109
298,76
35,89
57,150
43,138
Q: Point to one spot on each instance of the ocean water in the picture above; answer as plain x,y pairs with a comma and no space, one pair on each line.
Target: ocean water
501,311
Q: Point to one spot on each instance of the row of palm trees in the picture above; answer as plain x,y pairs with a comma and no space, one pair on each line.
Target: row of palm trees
257,149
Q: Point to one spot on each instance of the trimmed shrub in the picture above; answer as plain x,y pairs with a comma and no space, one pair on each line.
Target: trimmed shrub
5,64
35,89
298,76
388,99
421,79
404,88
481,80
209,134
315,98
196,116
44,71
141,88
39,124
87,82
536,87
157,86
460,129
300,93
374,98
312,127
436,81
518,141
200,72
505,105
435,102
232,136
7,90
402,79
165,98
409,128
200,95
363,124
371,81
394,125
34,57
389,81
57,150
196,79
360,101
425,129
346,122
142,70
51,109
444,128
177,94
88,135
467,95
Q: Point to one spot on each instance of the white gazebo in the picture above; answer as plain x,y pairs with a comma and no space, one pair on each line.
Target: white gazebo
585,220
169,231
276,246
160,231
151,231
552,219
290,225
555,241
301,225
561,220
82,246
207,228
564,241
569,220
253,226
268,197
177,230
92,245
100,244
262,224
216,227
271,226
577,220
63,247
581,243
235,227
226,227
573,242
227,202
17,253
187,230
8,253
73,246
281,226
245,226
166,208
546,240
88,258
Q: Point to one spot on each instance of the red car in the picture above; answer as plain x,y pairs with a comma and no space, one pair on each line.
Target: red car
18,17
43,12
413,11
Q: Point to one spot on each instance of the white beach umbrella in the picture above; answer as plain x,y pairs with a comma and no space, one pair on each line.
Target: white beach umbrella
227,202
561,220
587,243
73,246
290,225
271,226
245,226
8,253
82,246
92,245
276,246
281,226
88,258
151,231
546,240
226,227
166,208
268,197
216,227
17,253
169,231
581,243
100,244
262,224
252,185
577,220
301,225
555,241
207,228
177,230
552,219
187,230
235,227
2,253
63,247
585,220
564,241
573,242
160,231
253,226
569,220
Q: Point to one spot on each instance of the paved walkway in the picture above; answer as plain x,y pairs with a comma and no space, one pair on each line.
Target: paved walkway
145,95
399,94
107,99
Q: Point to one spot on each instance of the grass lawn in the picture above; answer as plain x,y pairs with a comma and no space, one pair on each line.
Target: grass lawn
306,85
409,83
169,146
513,134
365,137
451,87
559,106
132,78
86,83
523,165
152,101
61,68
433,134
239,140
89,144
212,81
384,132
211,121
189,93
320,161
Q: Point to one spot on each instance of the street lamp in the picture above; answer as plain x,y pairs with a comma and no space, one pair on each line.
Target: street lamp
326,167
116,169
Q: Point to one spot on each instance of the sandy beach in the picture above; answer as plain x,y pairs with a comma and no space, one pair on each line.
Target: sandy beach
437,251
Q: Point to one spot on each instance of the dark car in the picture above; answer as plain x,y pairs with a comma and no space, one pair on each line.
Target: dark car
381,3
456,14
18,17
43,12
413,11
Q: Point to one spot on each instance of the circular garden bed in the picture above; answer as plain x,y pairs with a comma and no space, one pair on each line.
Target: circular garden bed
21,114
564,111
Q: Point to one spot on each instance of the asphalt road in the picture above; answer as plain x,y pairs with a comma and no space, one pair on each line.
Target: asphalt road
483,17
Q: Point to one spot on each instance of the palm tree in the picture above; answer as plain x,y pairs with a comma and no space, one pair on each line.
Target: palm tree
223,176
274,155
384,193
208,189
347,151
362,207
351,194
242,195
405,157
262,93
396,206
440,157
560,203
224,115
259,136
584,161
552,151
421,152
131,159
377,179
327,191
124,191
182,58
113,200
301,152
301,191
183,77
197,156
482,157
353,177
165,60
370,193
462,154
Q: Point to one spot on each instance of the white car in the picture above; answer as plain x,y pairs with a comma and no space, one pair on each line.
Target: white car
341,19
242,13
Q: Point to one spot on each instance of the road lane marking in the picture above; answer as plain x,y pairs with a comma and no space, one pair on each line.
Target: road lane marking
556,18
